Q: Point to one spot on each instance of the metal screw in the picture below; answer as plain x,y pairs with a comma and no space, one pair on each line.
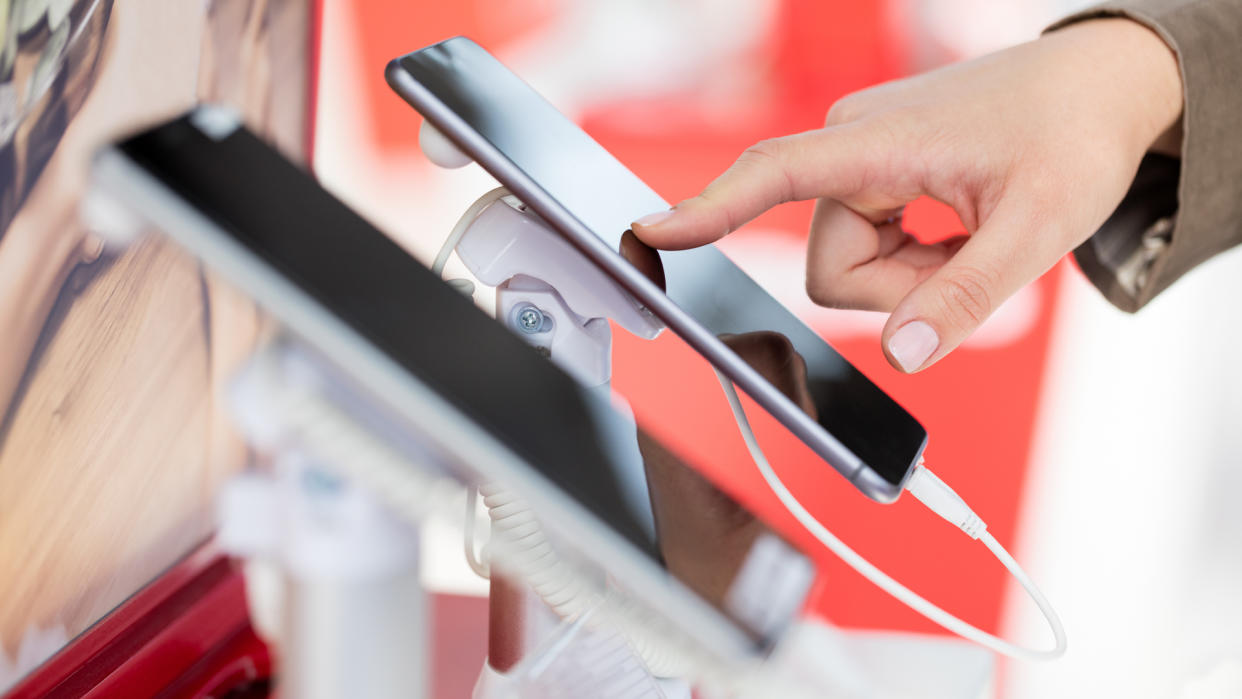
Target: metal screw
530,320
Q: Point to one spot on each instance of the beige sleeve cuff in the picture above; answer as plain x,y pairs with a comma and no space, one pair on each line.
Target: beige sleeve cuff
1178,213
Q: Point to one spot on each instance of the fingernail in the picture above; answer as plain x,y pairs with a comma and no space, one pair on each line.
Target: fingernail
912,344
653,219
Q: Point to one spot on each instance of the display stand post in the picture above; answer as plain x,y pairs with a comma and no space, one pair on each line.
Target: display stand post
332,572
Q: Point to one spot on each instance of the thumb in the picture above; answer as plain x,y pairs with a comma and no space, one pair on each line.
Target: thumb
822,163
942,311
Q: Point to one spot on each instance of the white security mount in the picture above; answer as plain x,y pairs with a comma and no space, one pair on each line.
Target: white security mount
546,290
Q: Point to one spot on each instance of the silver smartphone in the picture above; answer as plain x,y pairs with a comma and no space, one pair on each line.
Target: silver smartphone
590,197
471,391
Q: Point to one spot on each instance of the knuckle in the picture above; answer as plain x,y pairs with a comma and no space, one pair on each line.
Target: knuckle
716,206
765,153
768,158
824,291
965,296
844,110
818,291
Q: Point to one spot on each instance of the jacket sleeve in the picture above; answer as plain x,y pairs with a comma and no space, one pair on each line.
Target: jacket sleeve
1178,212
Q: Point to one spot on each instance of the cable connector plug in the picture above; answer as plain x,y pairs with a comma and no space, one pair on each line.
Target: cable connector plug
940,498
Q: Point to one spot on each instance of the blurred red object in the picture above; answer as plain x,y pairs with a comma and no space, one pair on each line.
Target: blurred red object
184,635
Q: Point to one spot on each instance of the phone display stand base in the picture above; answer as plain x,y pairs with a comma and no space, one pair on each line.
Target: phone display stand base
815,659
834,662
575,658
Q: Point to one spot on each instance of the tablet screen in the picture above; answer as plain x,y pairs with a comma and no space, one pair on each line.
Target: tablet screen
576,439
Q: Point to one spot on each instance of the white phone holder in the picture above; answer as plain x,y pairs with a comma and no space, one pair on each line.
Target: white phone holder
548,292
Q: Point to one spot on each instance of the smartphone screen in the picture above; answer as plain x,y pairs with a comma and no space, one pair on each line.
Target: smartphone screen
590,197
671,517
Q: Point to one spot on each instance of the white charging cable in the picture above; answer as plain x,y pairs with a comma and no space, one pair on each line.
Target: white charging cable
939,498
504,517
477,560
465,286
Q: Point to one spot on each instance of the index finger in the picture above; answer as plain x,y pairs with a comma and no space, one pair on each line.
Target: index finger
829,162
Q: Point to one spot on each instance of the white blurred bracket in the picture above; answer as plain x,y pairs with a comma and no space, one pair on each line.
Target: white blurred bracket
330,536
548,292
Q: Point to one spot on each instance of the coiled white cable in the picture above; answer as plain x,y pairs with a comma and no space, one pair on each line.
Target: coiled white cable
938,497
565,589
532,557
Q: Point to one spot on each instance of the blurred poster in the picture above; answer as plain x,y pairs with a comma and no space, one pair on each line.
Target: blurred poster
113,438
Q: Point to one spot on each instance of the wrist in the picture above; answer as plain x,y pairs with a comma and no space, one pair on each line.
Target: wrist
1163,90
1139,79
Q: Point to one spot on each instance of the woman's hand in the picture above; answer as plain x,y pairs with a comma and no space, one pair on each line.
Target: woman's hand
1033,147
